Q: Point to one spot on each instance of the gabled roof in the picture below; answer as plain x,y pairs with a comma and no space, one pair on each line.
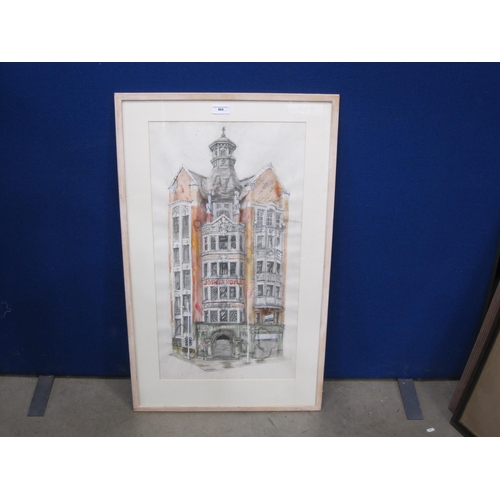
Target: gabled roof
198,178
250,180
195,177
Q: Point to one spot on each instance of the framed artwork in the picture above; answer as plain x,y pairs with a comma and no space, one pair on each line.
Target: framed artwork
226,205
484,335
477,407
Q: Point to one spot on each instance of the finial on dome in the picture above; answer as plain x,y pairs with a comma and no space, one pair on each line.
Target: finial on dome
223,132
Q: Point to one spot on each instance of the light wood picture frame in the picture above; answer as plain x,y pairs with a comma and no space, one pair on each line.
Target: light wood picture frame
226,204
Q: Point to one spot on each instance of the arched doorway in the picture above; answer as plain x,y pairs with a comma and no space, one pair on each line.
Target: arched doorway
223,345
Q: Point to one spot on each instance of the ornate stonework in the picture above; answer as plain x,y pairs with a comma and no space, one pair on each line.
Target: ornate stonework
227,261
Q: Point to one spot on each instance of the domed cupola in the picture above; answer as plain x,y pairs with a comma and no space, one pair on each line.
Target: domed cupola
223,181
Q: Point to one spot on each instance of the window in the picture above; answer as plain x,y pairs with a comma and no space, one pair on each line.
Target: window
177,279
213,243
259,266
186,303
233,242
223,316
223,209
176,227
205,242
270,267
232,292
260,217
260,290
223,268
278,218
241,292
260,242
177,306
242,269
278,268
213,317
185,253
205,316
269,291
185,226
223,242
269,217
176,257
186,278
214,293
232,269
223,292
270,239
205,292
241,242
178,328
278,291
205,270
278,240
213,269
277,317
257,317
233,316
187,324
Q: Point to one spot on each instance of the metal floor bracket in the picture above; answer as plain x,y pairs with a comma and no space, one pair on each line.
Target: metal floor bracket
41,396
410,399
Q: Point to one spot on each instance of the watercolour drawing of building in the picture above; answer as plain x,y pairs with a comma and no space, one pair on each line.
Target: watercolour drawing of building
227,260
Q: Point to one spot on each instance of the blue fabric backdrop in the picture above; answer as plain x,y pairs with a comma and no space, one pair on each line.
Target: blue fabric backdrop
416,224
